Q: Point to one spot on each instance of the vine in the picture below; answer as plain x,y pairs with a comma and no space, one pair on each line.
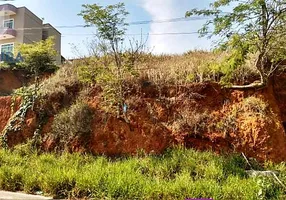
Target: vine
17,119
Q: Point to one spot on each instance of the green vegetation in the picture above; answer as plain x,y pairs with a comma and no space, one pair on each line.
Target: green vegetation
111,26
38,58
251,28
177,174
72,124
114,63
117,72
17,119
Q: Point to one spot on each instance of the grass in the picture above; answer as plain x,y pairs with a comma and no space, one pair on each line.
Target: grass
177,174
65,77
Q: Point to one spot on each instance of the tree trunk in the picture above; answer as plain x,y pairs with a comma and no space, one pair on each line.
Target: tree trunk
260,85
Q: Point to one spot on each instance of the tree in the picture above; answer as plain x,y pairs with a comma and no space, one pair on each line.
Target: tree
111,28
252,27
110,24
37,58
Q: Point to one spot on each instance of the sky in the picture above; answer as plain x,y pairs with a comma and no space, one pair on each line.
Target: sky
64,13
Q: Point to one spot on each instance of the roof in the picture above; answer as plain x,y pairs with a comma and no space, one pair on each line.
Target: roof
48,24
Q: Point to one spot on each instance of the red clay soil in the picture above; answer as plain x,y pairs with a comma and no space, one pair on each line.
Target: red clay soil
279,87
26,132
151,123
14,79
5,111
29,124
116,137
10,80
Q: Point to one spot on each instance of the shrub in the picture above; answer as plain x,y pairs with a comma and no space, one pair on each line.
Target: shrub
65,77
38,57
196,122
250,106
255,105
72,124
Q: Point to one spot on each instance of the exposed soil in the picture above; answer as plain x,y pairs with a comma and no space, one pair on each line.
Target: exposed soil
5,111
10,80
14,79
157,120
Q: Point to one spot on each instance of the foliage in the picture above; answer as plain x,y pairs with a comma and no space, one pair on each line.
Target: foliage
72,124
177,174
65,77
110,21
195,122
5,66
255,105
17,119
111,27
38,57
113,86
254,27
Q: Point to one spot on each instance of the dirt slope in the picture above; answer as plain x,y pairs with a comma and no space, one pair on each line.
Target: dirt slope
197,116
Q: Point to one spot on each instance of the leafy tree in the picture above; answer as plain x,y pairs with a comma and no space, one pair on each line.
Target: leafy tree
110,24
252,27
111,28
37,58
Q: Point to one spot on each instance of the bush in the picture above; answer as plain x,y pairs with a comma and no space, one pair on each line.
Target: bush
38,57
72,124
255,105
195,122
65,77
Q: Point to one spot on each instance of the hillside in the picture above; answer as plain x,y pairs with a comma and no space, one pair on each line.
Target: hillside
164,109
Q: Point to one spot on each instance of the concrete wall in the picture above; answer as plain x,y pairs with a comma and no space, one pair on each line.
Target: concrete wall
36,24
18,25
50,31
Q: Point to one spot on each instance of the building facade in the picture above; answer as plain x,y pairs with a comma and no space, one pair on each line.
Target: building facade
20,25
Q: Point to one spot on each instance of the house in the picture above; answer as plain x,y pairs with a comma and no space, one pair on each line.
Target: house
20,25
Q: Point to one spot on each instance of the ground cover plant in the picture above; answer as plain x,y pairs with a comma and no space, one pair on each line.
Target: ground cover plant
177,174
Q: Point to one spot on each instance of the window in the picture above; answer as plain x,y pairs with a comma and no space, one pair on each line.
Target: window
9,23
7,48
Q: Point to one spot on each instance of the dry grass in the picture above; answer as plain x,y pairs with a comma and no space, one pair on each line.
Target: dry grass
65,76
195,122
194,66
176,69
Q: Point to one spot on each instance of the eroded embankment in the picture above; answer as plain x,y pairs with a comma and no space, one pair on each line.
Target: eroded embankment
12,79
201,116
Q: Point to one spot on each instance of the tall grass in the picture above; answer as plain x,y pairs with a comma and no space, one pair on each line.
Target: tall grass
177,174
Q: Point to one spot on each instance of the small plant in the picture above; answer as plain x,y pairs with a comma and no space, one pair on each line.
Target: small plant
255,105
4,66
228,123
196,122
250,105
65,77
